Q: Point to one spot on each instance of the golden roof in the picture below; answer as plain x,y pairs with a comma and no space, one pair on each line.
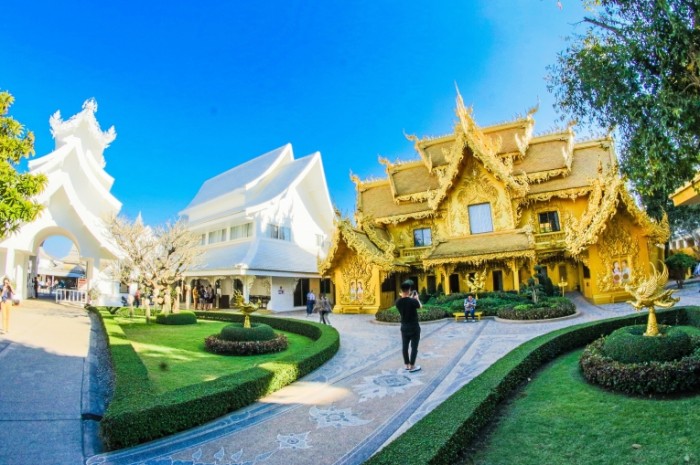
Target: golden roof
586,160
434,151
377,201
482,247
513,136
553,153
411,179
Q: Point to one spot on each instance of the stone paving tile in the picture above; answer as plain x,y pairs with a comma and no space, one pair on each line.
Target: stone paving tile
42,363
348,409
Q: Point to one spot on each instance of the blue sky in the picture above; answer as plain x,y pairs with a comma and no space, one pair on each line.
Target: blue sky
196,88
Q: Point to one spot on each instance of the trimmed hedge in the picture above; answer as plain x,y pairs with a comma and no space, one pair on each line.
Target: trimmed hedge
442,435
180,318
548,308
218,345
506,305
667,377
629,345
129,419
256,332
425,313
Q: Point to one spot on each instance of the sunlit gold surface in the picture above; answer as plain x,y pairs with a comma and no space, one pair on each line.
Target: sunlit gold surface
245,308
650,293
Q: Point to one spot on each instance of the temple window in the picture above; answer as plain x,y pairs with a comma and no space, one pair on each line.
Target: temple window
480,220
203,239
422,237
217,236
241,231
282,233
549,222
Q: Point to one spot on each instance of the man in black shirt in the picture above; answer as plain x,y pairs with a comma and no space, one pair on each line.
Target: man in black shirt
408,306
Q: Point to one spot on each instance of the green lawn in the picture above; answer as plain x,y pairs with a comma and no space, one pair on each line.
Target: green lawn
558,418
175,356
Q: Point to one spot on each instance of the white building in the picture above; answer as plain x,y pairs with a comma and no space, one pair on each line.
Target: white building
76,201
264,225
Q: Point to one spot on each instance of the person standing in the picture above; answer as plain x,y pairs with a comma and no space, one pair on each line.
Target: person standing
408,306
325,310
6,304
310,302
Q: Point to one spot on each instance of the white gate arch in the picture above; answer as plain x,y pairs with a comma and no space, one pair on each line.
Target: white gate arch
76,201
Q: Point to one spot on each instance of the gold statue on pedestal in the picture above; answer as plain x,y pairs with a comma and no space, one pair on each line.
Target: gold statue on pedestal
650,293
245,308
477,283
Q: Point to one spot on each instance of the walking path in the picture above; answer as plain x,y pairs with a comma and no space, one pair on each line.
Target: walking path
340,414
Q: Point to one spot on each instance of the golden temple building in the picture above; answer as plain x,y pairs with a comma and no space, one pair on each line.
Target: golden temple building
491,203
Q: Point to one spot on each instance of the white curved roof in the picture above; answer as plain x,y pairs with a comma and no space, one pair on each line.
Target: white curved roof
241,177
258,256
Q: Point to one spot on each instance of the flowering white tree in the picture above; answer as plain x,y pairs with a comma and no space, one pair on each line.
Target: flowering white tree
155,258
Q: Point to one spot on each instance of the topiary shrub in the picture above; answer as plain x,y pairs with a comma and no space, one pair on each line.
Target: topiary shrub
546,308
234,339
647,378
180,318
629,345
217,345
256,332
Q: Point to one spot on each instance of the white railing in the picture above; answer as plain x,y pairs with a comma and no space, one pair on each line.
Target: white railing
71,296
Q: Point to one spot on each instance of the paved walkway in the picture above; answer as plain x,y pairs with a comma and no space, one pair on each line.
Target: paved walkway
340,414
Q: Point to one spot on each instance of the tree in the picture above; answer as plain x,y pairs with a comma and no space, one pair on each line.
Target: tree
17,190
678,265
154,258
637,70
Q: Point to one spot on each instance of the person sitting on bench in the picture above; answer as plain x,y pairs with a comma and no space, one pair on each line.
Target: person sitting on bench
469,307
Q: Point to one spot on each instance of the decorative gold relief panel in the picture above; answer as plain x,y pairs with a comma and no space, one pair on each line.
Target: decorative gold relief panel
619,255
358,286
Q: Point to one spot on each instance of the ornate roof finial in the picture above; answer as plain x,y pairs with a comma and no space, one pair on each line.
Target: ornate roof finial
412,137
355,179
90,104
534,109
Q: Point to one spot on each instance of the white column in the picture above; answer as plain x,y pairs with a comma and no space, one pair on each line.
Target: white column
20,275
10,264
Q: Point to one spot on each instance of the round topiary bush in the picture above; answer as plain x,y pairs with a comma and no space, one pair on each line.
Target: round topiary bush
545,309
234,339
180,318
256,332
629,345
641,378
217,345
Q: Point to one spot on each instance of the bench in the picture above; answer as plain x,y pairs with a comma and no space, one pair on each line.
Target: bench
460,315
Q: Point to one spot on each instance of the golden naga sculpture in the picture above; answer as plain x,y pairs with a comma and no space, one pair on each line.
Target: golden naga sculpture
477,283
245,308
650,293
